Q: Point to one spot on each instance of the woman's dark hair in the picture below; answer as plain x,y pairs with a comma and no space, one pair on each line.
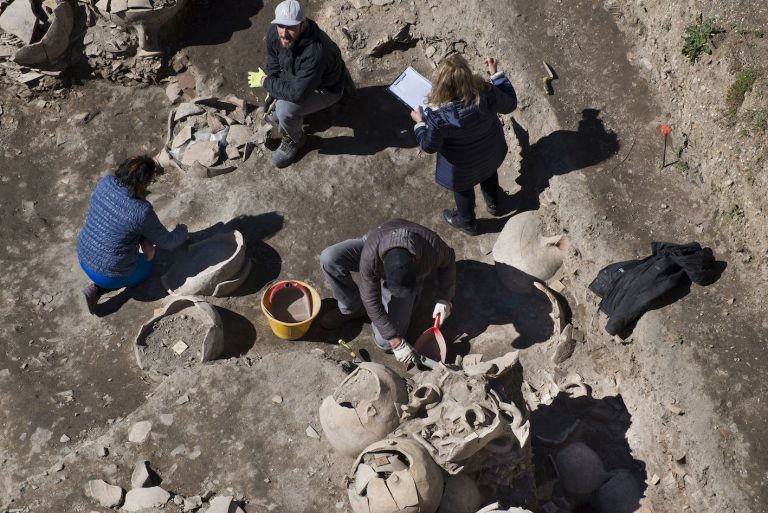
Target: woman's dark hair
136,173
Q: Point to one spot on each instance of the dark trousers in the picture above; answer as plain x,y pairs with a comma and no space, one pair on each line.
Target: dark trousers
465,200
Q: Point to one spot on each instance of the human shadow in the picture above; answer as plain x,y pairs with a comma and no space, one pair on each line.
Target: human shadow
377,120
239,333
346,332
560,153
567,475
254,228
482,301
210,22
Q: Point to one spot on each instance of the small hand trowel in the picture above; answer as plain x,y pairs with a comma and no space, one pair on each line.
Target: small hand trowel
430,348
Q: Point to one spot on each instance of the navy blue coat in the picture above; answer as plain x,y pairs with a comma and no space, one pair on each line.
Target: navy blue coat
469,140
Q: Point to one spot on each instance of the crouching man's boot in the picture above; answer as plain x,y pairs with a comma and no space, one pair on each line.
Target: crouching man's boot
288,151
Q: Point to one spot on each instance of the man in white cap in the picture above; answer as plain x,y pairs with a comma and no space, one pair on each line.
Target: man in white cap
305,74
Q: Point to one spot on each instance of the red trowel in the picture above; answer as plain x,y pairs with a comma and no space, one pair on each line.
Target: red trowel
430,346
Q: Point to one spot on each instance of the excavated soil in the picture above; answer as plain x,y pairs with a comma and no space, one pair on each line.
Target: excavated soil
677,406
187,326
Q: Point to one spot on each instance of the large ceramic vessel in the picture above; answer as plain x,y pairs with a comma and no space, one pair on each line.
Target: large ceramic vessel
146,16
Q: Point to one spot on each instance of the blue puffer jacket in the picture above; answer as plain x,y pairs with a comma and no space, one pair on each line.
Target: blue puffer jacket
109,241
469,141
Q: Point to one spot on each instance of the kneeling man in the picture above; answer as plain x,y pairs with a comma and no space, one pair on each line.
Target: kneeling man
393,260
305,74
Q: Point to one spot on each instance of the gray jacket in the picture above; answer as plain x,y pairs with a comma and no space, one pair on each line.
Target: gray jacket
431,254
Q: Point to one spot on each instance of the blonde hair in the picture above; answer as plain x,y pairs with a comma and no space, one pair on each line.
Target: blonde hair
454,81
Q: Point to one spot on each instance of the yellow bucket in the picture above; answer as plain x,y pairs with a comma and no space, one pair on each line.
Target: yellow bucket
289,330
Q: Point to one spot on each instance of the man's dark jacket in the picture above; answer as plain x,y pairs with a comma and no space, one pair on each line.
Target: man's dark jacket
314,63
629,289
430,252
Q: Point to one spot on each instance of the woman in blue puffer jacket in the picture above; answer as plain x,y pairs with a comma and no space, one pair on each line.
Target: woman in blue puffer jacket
461,125
120,221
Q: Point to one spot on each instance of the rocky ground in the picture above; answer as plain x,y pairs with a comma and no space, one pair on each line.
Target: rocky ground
683,392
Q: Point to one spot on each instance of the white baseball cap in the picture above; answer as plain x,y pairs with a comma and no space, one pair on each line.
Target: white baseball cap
289,13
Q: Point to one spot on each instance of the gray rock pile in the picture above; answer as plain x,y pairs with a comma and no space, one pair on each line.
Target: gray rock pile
145,494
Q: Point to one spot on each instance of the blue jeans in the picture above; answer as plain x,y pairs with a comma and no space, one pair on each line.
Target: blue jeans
141,273
291,115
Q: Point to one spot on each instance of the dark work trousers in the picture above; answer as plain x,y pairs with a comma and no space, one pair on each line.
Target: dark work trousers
465,200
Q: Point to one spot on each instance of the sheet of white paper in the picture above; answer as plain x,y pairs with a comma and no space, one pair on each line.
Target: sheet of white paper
411,88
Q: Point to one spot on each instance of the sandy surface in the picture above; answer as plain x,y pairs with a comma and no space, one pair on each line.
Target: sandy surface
687,383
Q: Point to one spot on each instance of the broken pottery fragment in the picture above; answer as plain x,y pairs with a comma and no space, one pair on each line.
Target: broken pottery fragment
557,315
203,139
395,475
580,469
565,345
19,19
145,17
523,255
363,408
212,343
207,264
229,287
183,137
239,135
55,41
460,496
463,419
204,152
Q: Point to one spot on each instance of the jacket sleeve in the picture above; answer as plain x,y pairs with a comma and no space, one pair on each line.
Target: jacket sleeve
273,64
309,73
154,231
428,136
504,93
446,273
370,293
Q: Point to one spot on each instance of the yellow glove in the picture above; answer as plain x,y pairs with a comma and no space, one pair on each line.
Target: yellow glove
256,78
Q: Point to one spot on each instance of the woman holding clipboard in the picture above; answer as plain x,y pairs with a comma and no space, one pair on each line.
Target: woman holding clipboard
461,125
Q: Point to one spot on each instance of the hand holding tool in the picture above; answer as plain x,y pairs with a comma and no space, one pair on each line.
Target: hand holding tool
404,353
441,312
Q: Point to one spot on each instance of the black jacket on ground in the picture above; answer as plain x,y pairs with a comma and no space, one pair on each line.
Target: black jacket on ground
629,289
314,63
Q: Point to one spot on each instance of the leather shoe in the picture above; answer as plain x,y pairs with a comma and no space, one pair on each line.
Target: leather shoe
451,216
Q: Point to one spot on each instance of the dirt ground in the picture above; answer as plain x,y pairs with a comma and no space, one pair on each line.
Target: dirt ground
687,387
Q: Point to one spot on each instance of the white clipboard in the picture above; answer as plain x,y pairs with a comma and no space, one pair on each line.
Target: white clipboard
411,88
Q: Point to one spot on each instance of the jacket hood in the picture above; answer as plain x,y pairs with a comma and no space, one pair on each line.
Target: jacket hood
456,114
